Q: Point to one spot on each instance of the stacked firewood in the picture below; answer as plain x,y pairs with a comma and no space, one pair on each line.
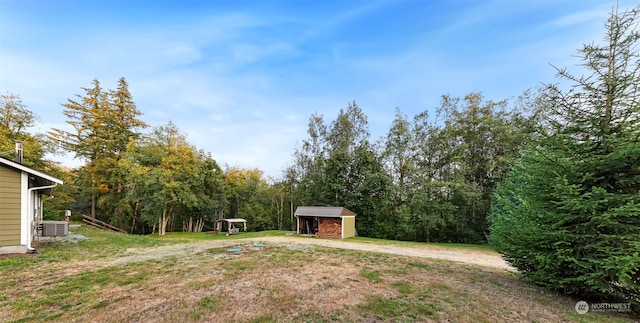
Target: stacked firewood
330,226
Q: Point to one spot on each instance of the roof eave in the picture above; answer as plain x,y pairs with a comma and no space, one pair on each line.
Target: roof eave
31,171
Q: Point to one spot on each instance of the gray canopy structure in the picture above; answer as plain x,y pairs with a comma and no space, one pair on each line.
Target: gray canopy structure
231,225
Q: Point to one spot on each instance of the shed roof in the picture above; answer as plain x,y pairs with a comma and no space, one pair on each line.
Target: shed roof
232,220
323,211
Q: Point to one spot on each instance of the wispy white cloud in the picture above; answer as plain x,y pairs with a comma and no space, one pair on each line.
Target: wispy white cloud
581,17
242,82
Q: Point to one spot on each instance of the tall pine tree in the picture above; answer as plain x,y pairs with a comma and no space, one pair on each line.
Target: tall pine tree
103,123
568,215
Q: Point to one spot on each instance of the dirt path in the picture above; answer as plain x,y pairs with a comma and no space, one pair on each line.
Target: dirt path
476,257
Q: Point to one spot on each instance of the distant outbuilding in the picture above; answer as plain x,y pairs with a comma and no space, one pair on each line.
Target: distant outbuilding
326,221
231,225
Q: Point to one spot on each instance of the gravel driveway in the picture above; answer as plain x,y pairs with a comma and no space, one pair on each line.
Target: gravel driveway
469,256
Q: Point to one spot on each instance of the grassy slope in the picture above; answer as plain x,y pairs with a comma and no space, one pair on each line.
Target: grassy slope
70,281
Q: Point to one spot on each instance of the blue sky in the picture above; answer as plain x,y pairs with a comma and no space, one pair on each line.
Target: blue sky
241,78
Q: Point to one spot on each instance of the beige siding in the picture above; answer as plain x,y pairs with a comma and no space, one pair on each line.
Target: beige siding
9,207
349,223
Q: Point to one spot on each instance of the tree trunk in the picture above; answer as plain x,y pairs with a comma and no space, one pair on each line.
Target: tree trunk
293,224
162,223
199,225
133,225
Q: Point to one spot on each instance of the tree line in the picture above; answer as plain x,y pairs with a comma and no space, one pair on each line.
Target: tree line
141,182
428,179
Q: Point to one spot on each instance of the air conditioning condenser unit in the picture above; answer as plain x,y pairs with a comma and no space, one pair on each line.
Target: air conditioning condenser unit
54,228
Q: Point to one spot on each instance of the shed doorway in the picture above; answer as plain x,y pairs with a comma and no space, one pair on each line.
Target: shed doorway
308,225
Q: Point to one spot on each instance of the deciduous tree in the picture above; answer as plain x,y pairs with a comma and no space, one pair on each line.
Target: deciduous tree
15,121
161,171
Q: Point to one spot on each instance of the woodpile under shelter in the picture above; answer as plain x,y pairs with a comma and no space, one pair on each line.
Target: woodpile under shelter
326,221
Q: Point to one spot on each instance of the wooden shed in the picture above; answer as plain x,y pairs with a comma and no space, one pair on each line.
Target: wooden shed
326,221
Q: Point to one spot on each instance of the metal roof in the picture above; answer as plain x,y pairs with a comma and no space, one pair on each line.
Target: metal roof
30,170
323,211
232,220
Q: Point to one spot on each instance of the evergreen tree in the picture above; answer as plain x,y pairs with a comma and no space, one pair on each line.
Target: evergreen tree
103,123
568,215
122,120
